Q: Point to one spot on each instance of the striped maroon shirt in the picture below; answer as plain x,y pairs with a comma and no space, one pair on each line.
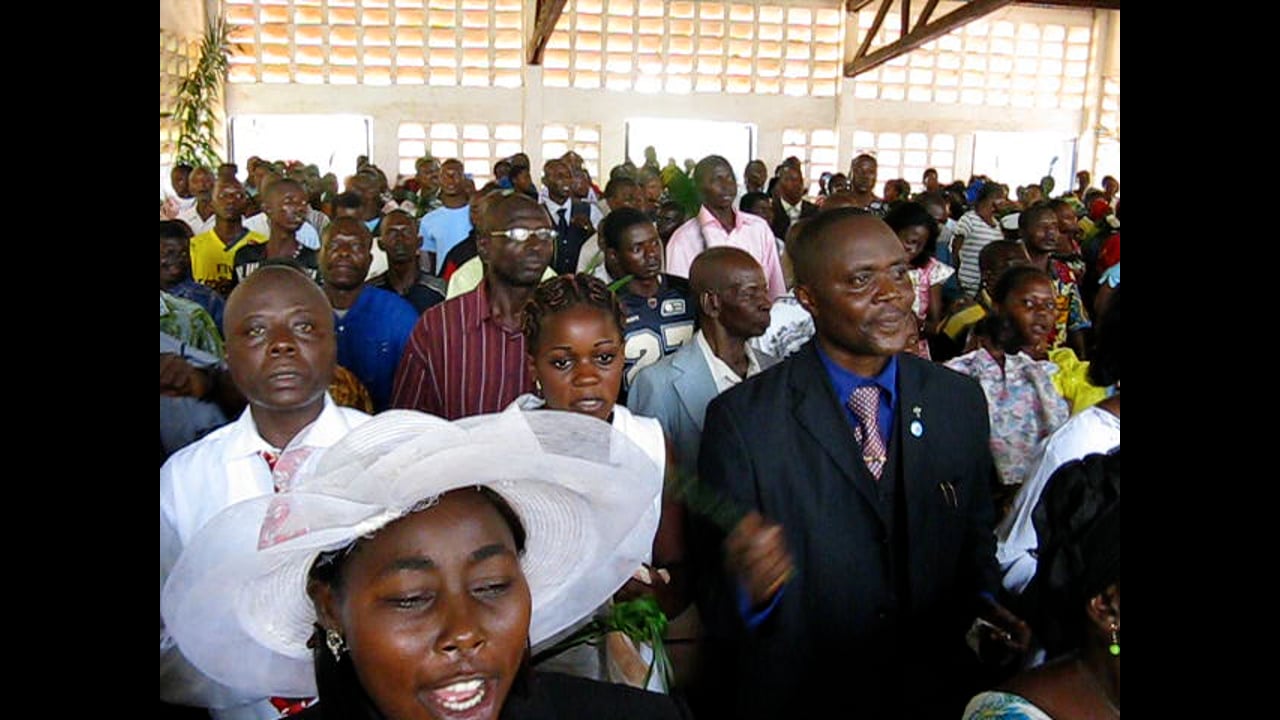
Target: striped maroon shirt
460,362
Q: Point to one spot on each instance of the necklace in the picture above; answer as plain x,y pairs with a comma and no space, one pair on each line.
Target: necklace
1097,685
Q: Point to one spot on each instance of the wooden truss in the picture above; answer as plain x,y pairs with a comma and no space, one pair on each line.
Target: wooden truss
548,13
927,27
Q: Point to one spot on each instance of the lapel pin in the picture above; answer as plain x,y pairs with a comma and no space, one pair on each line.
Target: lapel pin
917,428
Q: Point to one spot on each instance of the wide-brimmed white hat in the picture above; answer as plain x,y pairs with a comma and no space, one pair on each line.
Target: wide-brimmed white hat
236,601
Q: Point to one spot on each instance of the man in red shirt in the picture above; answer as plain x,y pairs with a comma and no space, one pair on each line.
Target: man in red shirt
467,356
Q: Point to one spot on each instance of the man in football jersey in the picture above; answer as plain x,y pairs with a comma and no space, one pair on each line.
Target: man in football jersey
658,315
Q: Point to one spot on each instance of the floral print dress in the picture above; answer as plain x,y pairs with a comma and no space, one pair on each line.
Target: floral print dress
922,279
1024,405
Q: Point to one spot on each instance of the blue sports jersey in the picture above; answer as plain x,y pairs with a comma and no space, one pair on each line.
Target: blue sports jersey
656,327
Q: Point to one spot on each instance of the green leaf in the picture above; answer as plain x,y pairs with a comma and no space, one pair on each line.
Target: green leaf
641,620
195,109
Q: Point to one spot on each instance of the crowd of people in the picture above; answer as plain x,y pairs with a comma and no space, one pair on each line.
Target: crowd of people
420,438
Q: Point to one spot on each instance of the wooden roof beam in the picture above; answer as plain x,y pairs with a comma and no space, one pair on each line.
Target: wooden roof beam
922,34
871,33
1095,4
927,13
543,25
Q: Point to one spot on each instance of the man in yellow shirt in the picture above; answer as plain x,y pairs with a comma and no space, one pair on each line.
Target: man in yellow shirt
213,252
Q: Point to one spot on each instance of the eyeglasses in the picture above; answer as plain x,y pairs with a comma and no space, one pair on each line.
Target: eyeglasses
523,234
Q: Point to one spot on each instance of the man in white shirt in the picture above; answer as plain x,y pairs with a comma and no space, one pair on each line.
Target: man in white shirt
199,215
179,180
281,352
733,303
717,223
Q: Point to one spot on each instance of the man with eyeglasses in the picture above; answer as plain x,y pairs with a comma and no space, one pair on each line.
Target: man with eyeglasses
466,356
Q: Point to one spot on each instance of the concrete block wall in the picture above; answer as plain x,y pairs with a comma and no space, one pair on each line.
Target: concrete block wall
532,106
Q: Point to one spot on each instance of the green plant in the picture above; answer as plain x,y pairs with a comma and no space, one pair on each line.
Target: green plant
195,111
640,619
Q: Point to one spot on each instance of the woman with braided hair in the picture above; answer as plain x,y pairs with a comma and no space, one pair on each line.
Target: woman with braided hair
573,335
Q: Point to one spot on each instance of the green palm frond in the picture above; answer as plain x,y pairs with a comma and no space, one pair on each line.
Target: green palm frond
681,189
194,112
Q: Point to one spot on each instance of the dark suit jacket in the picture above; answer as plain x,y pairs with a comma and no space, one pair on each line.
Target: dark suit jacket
782,221
883,590
568,246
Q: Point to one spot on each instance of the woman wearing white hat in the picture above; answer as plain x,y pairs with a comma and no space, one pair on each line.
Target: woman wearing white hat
418,563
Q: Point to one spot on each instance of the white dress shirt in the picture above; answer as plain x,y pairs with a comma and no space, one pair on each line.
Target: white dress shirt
724,375
793,211
567,206
1094,430
790,327
196,483
191,217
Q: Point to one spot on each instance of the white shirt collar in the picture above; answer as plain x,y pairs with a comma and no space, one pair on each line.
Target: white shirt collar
793,211
554,208
326,430
723,375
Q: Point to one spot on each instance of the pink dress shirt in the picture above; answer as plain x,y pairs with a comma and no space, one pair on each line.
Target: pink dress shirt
749,233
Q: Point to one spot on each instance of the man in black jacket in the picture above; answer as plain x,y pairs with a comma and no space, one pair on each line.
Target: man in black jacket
574,220
789,204
872,552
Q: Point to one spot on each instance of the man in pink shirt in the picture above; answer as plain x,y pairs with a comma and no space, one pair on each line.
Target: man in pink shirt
717,223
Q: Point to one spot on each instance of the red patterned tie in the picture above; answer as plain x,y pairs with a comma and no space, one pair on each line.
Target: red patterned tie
283,467
291,706
865,404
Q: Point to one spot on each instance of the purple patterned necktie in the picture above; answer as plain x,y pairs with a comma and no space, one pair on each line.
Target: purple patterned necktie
865,404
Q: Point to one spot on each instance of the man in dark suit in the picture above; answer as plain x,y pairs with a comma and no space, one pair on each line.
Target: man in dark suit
575,220
789,204
866,551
